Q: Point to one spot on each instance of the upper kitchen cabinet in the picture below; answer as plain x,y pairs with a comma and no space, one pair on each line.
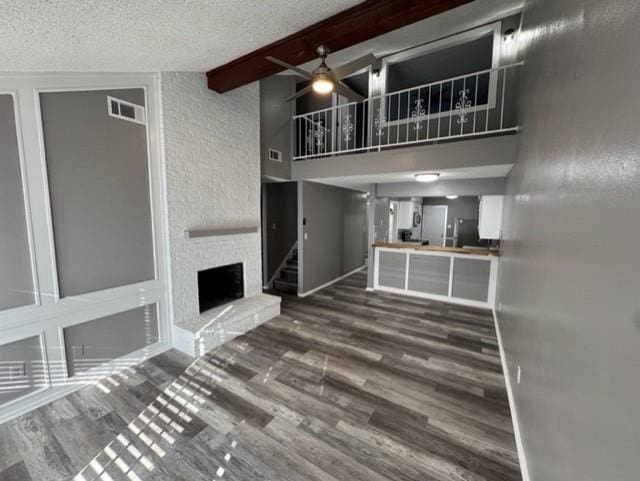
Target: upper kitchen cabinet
490,216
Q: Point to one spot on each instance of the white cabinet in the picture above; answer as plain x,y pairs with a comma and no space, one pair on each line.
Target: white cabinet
490,216
405,214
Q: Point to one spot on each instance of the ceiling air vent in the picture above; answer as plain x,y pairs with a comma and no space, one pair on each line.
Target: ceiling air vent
121,109
275,155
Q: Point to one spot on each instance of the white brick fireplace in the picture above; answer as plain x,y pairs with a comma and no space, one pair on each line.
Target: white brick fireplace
212,152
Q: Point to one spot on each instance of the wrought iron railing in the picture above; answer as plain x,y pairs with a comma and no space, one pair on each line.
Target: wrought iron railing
475,104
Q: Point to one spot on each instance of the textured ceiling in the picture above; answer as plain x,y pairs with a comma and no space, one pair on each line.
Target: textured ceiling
146,35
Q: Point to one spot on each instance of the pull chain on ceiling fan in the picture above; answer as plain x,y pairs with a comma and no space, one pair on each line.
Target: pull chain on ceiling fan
324,79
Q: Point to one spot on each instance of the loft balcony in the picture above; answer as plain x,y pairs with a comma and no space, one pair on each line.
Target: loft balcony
474,105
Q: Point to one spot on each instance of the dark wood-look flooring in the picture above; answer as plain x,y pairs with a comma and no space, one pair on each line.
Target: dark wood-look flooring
344,385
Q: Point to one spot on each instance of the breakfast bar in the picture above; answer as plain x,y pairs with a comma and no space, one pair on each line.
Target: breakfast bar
464,276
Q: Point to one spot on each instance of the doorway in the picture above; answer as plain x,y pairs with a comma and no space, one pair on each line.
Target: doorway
393,221
434,224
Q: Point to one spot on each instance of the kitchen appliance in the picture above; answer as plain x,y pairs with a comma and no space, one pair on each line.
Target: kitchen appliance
465,233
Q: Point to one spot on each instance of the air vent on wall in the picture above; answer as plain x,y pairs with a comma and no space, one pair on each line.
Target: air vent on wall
275,155
124,110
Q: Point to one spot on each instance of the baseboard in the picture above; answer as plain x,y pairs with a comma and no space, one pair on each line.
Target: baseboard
38,399
522,457
308,293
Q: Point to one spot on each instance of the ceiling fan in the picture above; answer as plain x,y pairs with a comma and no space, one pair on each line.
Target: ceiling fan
324,79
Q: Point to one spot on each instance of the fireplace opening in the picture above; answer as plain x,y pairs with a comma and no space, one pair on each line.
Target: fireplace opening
220,285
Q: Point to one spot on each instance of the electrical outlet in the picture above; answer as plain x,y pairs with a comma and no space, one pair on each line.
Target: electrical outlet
17,371
306,236
519,374
499,306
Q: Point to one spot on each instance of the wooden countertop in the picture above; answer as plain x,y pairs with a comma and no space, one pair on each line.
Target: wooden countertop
455,250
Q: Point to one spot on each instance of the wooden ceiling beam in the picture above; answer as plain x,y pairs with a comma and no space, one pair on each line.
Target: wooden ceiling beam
349,27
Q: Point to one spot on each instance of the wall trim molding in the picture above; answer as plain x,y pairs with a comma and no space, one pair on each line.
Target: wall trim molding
50,314
308,293
30,402
522,457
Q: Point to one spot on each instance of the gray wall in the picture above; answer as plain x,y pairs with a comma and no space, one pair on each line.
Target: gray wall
95,342
22,369
16,282
336,220
275,124
570,272
99,185
281,223
462,207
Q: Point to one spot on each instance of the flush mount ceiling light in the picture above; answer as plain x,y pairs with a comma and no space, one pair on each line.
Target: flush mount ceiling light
427,177
452,197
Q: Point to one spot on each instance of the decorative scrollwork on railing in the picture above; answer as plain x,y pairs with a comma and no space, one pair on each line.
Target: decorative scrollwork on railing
418,113
378,121
320,135
308,141
347,128
461,107
315,139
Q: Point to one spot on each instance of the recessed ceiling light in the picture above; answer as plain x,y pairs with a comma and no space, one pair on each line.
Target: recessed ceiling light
427,177
452,197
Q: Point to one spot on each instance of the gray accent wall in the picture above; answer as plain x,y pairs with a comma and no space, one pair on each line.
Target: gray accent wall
16,276
570,270
22,369
281,223
99,188
462,208
336,233
275,124
95,342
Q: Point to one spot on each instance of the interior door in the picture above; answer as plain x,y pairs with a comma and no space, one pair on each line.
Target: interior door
434,224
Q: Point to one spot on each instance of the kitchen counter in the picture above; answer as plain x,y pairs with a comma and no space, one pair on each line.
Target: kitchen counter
466,276
479,251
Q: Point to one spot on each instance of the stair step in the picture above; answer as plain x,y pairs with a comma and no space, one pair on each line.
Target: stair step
289,275
285,286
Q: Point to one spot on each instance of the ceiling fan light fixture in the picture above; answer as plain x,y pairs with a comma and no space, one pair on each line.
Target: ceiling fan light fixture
323,85
427,177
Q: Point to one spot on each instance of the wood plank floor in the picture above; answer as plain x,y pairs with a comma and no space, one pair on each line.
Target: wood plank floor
344,385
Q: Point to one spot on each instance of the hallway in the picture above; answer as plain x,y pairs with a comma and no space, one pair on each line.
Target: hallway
344,385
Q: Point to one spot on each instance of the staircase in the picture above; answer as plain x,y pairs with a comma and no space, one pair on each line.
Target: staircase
287,278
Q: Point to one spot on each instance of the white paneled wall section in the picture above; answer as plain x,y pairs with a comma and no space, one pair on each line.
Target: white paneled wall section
51,312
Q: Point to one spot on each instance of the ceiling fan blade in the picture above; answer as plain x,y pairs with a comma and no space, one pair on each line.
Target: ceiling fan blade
297,70
300,93
345,91
348,68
